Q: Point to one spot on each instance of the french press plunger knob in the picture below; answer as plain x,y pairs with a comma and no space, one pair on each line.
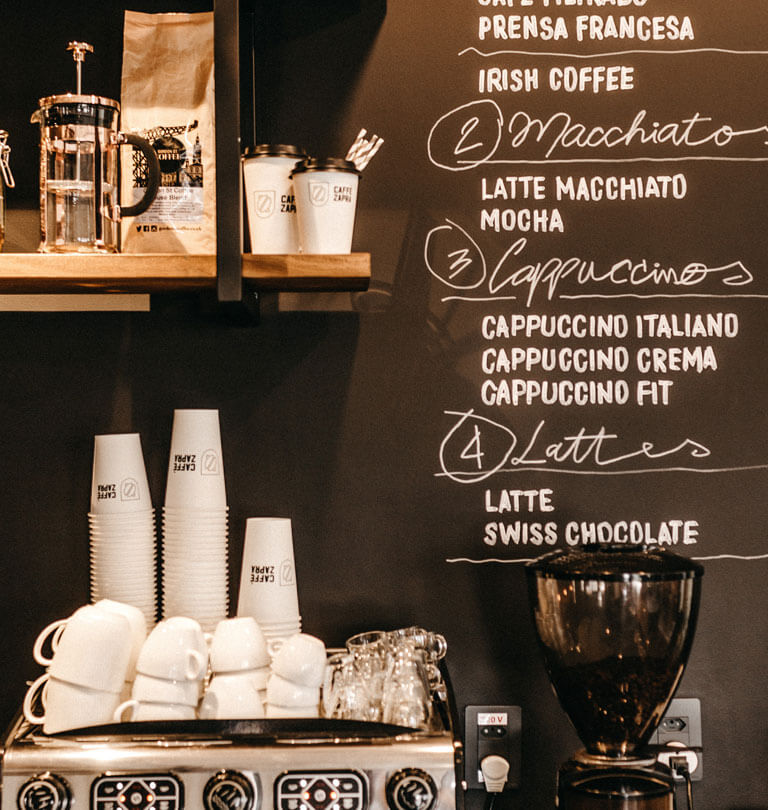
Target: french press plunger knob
79,50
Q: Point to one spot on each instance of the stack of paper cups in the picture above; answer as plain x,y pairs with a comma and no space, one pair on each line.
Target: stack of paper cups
268,577
122,525
195,533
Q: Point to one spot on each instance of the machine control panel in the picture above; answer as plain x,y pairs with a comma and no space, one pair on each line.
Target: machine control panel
44,792
411,789
137,792
229,790
321,790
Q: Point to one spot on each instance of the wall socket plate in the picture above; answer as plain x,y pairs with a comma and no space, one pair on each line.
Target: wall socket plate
681,726
492,730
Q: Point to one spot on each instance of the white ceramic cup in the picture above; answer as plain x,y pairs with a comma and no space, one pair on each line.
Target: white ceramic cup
268,574
137,711
326,200
119,480
238,644
175,650
232,696
137,622
91,648
301,659
281,692
284,712
147,689
67,706
195,467
269,196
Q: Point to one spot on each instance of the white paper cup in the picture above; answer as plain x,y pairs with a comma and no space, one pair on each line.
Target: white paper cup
119,480
268,573
174,650
195,467
68,706
232,696
326,200
269,196
301,659
238,644
91,648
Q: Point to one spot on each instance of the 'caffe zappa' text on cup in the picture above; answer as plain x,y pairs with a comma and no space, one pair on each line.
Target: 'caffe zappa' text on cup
262,573
188,462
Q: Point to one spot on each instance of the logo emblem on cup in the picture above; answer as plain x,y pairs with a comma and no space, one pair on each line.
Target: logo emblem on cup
265,202
209,463
286,573
129,490
319,193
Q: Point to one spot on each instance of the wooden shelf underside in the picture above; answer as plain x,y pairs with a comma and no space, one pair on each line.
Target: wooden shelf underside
152,273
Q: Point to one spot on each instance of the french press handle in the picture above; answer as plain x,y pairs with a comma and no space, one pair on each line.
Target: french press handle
153,174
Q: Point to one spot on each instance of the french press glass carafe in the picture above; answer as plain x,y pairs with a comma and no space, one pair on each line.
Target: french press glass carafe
79,158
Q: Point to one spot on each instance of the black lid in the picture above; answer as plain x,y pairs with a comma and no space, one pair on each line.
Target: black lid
275,150
326,165
614,563
76,110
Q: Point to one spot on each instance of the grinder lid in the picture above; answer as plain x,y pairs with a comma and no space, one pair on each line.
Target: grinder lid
615,563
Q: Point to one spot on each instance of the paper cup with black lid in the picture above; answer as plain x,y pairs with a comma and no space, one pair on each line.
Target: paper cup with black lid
269,197
326,199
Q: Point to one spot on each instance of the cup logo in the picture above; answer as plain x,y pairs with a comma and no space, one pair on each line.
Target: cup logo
264,202
129,489
209,463
319,193
286,573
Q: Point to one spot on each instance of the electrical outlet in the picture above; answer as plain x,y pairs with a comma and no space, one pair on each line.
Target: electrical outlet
681,727
491,730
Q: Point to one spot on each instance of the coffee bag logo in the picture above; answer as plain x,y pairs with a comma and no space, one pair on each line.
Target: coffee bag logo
264,202
129,489
319,193
209,463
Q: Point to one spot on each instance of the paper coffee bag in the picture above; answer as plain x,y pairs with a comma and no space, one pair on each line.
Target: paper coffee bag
167,98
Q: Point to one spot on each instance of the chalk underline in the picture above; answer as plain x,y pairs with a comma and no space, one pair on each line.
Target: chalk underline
493,298
523,560
472,478
602,54
549,161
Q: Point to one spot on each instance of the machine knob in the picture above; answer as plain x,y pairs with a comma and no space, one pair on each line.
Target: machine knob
411,789
228,790
44,792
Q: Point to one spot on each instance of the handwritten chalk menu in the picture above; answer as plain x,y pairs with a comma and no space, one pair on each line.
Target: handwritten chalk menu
602,251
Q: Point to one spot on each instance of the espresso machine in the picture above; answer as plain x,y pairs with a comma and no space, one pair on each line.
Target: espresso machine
616,625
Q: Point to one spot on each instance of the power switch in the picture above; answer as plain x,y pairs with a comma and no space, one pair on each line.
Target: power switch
492,730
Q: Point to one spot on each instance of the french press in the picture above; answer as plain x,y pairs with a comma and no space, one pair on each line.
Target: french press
6,180
79,159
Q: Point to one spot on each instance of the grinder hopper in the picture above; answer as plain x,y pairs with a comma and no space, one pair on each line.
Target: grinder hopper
615,625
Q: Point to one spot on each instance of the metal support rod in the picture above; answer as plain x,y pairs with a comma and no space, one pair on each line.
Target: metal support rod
229,238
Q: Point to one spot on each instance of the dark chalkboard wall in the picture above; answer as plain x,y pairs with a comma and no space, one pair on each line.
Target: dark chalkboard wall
372,428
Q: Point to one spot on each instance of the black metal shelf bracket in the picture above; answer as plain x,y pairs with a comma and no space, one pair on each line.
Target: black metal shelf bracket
229,229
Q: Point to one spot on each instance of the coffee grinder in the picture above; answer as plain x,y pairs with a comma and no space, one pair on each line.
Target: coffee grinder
615,625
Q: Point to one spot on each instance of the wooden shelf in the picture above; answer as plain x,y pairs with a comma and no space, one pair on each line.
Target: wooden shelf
151,273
